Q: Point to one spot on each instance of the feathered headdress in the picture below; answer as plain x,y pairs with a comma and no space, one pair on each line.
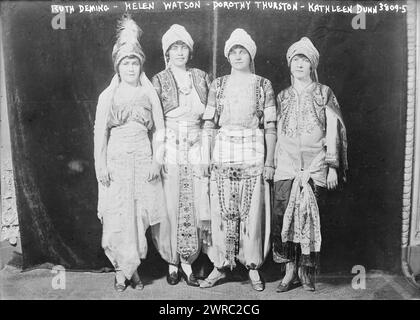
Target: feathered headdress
128,41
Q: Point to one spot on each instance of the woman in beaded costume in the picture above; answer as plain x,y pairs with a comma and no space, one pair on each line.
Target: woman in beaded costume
183,94
127,167
311,148
241,107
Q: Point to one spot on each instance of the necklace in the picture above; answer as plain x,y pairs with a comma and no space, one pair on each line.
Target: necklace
186,90
186,87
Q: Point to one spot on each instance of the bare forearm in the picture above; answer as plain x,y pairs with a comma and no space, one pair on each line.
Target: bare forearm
158,145
270,140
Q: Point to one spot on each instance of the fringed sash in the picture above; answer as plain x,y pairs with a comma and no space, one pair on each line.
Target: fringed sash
301,222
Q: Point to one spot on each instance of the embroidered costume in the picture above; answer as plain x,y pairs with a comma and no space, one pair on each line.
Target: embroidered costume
240,112
186,188
311,137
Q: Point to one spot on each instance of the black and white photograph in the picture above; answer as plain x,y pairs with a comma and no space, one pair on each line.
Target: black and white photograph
210,151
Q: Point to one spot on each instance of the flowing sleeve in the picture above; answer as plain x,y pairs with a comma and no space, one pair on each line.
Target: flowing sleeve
210,119
279,112
336,138
100,134
210,115
208,79
159,125
269,106
332,156
156,84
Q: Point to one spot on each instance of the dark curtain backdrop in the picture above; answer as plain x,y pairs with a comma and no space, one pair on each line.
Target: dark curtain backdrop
54,78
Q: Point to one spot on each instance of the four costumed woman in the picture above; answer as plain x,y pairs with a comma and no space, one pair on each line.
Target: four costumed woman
193,159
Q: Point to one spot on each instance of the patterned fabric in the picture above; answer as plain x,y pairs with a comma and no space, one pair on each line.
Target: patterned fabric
167,88
306,115
187,240
185,186
304,46
311,138
301,120
234,208
301,223
262,100
237,197
284,252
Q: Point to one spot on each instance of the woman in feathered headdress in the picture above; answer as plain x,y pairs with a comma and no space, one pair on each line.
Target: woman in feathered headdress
183,93
127,165
311,150
241,106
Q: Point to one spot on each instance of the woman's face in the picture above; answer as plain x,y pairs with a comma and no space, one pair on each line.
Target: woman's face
300,67
178,54
129,70
239,58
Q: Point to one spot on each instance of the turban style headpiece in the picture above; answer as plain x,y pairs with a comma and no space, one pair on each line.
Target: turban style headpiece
305,47
176,33
242,38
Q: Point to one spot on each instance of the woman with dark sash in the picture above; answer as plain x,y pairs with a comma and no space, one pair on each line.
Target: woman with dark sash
311,149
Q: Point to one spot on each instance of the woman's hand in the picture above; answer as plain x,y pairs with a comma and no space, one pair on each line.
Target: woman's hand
205,232
154,172
332,180
104,176
268,173
205,170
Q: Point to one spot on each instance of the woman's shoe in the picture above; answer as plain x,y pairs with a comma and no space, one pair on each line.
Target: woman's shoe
286,287
308,286
211,282
257,285
283,287
119,287
172,278
136,284
307,281
191,280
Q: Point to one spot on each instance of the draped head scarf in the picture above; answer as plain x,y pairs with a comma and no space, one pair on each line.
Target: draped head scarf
175,33
242,38
305,47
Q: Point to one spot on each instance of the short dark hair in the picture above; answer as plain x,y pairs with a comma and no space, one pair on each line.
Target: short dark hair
179,42
238,46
